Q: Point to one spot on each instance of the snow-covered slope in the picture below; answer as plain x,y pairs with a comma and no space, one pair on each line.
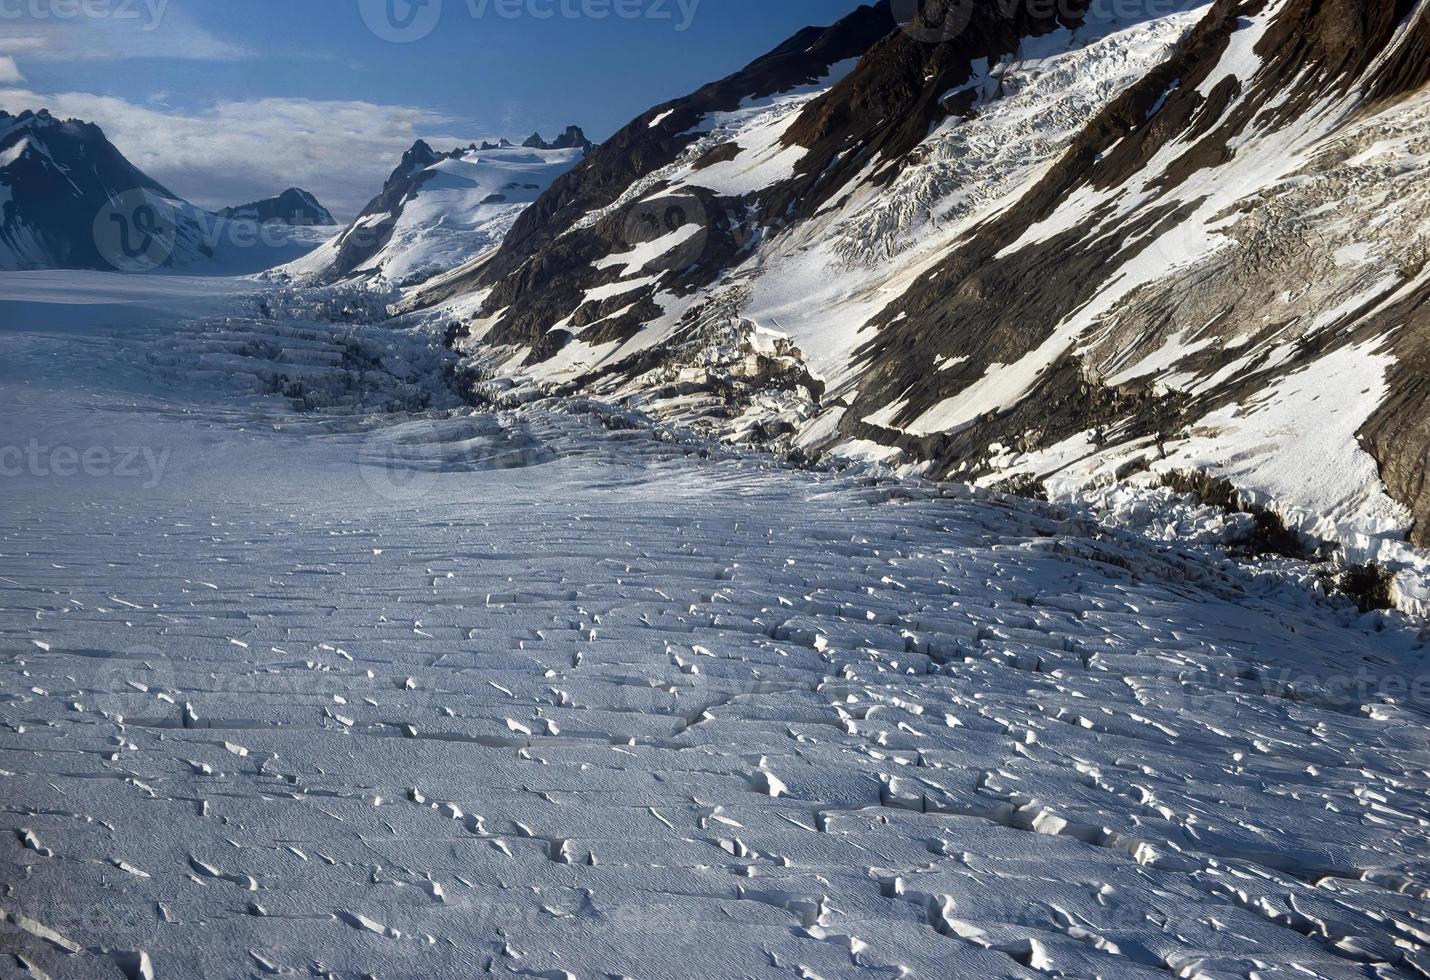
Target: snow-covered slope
70,200
438,210
1210,280
1059,252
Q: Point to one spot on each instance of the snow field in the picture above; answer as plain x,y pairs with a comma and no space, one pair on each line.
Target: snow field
605,707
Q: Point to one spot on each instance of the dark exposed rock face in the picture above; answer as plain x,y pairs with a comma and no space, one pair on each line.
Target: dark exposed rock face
1398,434
994,307
58,176
294,206
887,105
419,156
572,139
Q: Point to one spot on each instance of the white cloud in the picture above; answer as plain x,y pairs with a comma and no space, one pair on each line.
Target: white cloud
141,30
235,152
9,72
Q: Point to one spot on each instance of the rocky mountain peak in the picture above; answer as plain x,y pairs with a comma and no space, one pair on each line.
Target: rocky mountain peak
418,157
294,206
573,138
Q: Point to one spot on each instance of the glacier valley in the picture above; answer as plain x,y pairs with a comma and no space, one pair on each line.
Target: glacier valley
312,668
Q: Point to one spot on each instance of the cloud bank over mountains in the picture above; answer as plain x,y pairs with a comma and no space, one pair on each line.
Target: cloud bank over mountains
244,150
225,151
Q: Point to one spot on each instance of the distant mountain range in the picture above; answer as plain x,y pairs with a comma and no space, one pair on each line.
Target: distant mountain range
70,200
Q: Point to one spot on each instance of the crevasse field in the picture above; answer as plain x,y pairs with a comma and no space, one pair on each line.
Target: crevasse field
309,670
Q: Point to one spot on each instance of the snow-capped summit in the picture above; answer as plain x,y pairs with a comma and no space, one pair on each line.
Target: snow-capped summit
418,157
438,210
294,206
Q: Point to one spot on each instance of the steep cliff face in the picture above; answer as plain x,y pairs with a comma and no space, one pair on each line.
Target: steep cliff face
1397,433
1055,252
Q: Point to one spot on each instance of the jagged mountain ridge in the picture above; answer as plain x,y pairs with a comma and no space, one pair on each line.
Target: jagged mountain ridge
294,206
573,138
1037,253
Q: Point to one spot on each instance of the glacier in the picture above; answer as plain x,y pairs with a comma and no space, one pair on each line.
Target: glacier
343,674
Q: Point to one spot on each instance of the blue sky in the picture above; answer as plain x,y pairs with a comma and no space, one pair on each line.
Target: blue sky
228,100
